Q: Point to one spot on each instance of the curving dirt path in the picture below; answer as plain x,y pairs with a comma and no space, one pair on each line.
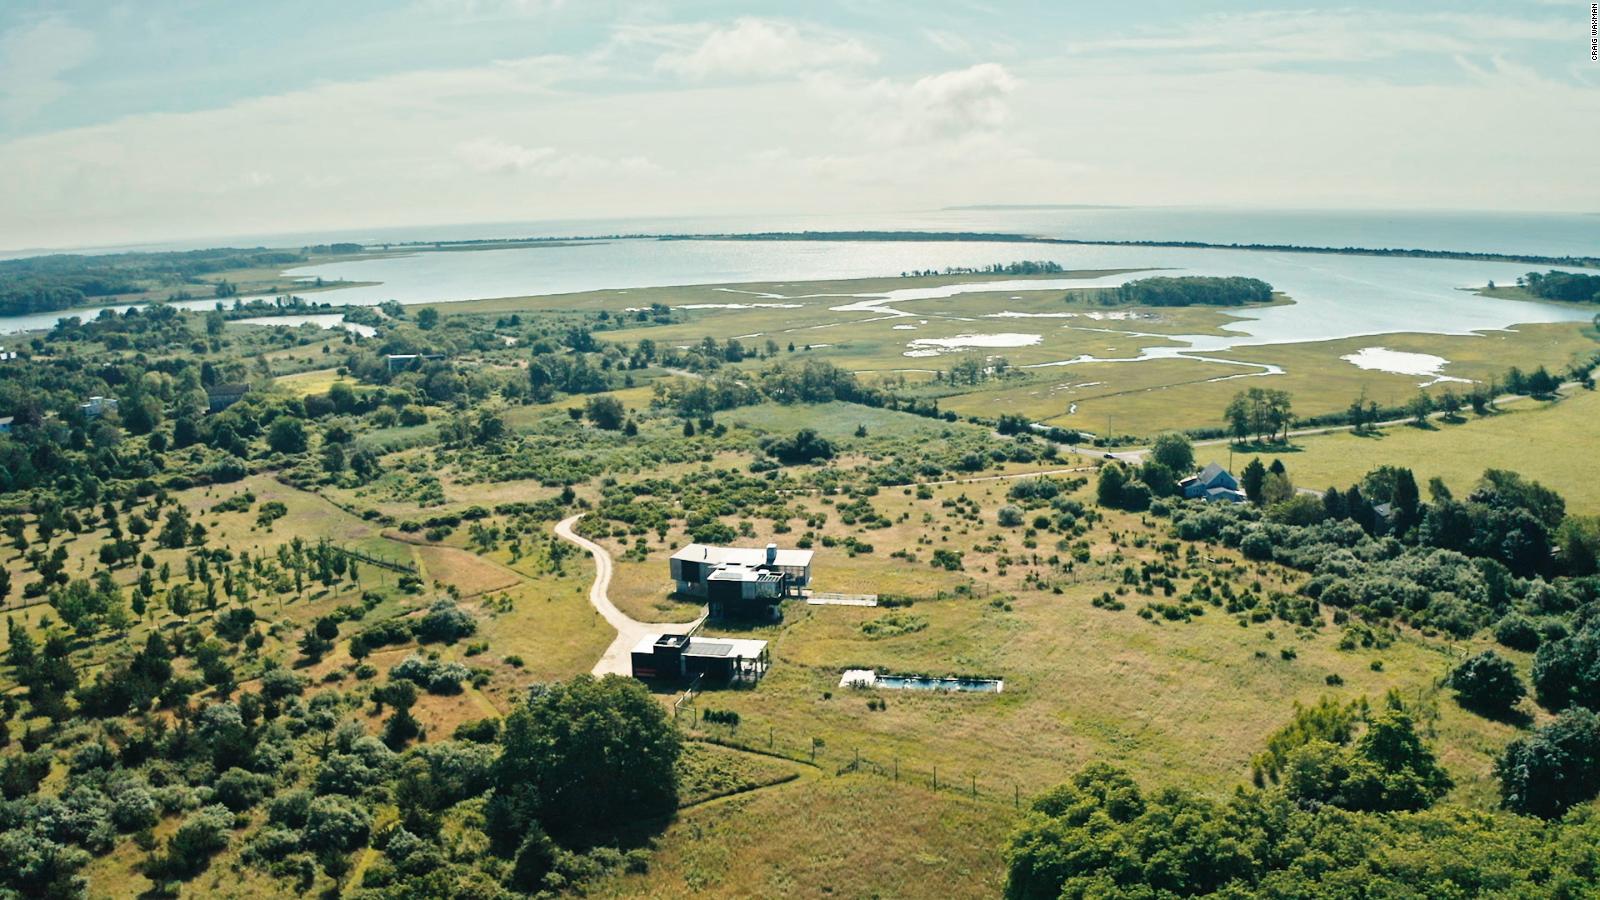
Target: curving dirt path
616,660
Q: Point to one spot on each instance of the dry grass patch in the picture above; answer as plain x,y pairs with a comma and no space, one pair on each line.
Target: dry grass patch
855,836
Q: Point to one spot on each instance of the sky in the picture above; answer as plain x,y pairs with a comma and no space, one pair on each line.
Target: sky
128,122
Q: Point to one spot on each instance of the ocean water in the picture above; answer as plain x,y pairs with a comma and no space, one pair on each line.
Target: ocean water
1336,295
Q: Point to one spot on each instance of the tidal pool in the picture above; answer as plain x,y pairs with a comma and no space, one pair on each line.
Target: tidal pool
1399,362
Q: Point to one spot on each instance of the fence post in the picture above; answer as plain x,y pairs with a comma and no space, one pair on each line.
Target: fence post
769,737
974,785
936,778
1016,797
897,770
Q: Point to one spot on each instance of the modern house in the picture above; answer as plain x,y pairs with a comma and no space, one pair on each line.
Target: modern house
97,406
746,582
1214,484
679,657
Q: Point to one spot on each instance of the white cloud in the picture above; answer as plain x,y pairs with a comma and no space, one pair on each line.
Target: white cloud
493,156
32,60
943,106
1300,36
957,102
756,48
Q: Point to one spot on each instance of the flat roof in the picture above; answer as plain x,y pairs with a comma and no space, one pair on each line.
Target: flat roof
737,572
743,556
736,648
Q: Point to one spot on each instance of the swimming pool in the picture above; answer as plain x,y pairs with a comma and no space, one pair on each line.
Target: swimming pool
867,678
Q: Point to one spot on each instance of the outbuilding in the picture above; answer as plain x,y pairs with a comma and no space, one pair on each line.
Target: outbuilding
682,657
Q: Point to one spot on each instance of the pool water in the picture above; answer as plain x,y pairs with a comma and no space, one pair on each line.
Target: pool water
866,678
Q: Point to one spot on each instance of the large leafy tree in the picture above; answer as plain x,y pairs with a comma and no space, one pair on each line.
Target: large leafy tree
582,760
1555,768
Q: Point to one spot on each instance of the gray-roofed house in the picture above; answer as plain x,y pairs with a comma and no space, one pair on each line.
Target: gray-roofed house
746,582
221,396
1214,484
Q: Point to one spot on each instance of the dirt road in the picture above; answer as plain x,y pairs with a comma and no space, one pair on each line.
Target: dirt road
629,631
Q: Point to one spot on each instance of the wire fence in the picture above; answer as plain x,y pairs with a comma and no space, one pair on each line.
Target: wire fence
965,781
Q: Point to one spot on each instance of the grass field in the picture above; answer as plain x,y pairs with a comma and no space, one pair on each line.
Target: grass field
1142,397
1553,443
708,771
1174,702
850,836
316,381
1149,396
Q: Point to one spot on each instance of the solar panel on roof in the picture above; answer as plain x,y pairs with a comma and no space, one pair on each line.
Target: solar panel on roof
709,648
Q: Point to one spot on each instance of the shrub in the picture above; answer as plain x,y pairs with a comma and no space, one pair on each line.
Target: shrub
290,810
1517,632
1488,682
277,684
337,823
444,623
135,809
239,790
483,731
189,850
434,676
804,447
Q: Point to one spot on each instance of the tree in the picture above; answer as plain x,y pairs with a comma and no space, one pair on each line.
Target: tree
1362,414
1577,542
805,447
1388,769
1566,672
1175,452
1276,488
286,435
584,759
1333,506
1265,413
1162,481
1517,631
1237,416
1450,402
605,412
1406,501
427,318
1488,683
1253,479
1108,490
1554,769
1420,407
